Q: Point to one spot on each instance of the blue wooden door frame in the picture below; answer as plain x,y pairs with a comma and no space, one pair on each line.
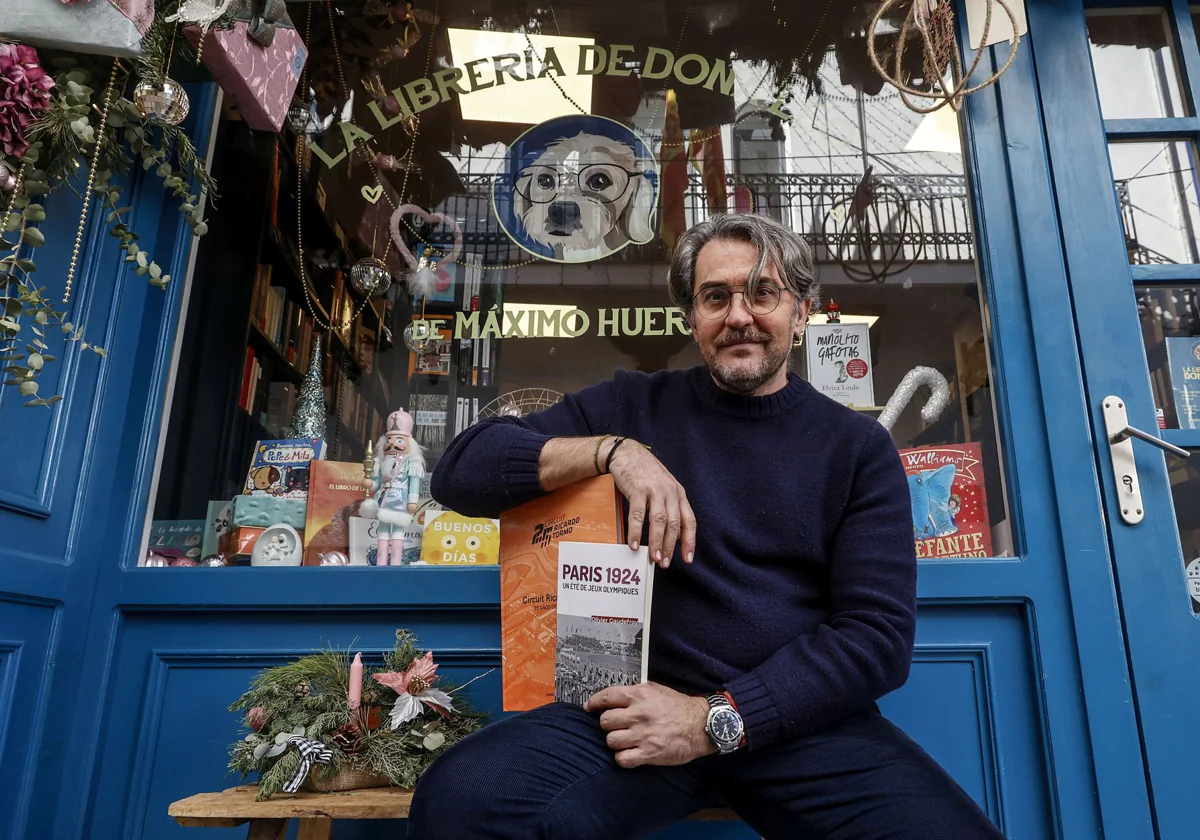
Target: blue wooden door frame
1162,634
1084,728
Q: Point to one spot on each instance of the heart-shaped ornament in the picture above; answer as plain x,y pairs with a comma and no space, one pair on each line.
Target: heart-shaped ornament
372,194
433,218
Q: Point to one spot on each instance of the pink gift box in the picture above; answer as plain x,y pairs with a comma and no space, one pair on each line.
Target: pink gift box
260,80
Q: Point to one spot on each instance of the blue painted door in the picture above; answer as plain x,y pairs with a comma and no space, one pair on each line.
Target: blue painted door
1119,90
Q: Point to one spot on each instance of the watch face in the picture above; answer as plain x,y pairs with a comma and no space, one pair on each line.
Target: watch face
726,726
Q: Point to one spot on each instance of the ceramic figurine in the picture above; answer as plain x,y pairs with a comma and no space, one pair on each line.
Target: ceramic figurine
395,486
279,545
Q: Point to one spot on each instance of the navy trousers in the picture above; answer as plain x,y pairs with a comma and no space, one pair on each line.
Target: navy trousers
547,774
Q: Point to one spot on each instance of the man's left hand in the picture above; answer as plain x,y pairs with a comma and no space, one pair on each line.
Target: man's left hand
652,724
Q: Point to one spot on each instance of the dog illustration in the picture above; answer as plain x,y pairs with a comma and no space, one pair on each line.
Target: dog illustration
586,196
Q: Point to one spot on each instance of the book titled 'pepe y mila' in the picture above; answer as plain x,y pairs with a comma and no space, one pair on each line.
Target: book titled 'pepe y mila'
574,600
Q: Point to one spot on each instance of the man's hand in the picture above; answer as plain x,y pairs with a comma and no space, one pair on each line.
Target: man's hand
654,493
652,724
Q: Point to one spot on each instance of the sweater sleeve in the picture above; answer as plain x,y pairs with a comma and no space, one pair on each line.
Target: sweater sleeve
864,648
493,465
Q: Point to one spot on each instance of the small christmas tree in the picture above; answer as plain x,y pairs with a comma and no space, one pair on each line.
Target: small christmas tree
309,419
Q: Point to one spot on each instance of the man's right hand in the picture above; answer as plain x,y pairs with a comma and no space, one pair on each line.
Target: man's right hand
655,497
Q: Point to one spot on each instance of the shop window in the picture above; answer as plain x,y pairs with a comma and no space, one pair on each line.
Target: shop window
544,278
1156,192
1135,64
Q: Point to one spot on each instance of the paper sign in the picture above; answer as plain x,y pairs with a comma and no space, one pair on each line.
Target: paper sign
1000,30
839,362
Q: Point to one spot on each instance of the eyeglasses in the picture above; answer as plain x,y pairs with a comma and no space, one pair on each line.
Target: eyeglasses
715,301
607,182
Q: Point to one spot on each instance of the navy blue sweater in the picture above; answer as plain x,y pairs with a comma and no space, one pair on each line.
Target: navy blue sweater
801,601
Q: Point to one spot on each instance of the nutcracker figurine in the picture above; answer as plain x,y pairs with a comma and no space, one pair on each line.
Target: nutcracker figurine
394,485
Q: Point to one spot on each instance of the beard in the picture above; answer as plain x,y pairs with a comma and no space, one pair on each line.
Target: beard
386,463
745,376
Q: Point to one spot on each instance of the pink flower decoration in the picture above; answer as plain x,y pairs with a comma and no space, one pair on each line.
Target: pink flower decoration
421,669
24,93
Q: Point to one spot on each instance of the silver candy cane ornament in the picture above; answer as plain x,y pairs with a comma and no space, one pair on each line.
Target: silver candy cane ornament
939,396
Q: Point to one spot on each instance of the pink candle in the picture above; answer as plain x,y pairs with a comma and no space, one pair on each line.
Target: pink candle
356,677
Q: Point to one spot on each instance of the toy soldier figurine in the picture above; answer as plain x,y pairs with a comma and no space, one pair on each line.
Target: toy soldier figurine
394,485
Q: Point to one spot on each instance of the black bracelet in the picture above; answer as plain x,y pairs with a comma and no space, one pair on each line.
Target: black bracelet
608,460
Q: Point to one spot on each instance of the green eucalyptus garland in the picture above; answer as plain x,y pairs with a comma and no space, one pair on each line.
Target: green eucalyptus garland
74,135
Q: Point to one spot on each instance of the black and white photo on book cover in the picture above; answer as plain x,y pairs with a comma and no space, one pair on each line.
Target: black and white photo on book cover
604,597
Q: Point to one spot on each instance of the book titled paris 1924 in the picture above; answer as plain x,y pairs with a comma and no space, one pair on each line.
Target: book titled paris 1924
605,592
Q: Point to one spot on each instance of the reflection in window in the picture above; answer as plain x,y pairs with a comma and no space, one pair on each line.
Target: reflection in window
878,190
1133,58
1170,320
1156,192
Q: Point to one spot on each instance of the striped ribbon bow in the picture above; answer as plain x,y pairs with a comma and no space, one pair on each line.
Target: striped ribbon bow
311,752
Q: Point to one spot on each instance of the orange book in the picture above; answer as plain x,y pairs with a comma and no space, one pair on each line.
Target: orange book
335,493
588,511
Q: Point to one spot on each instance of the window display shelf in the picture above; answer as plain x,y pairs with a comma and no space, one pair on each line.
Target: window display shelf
357,587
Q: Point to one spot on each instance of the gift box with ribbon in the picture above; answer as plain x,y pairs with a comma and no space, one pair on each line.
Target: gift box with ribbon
257,59
100,27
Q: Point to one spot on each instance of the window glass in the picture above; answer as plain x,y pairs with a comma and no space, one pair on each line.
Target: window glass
1133,58
535,172
1156,193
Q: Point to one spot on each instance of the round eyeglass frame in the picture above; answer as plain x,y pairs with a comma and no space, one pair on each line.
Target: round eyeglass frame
697,306
630,174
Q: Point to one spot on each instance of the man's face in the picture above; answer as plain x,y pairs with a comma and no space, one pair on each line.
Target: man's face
745,351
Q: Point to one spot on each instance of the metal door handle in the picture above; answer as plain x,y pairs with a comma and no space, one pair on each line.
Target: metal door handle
1120,449
1130,431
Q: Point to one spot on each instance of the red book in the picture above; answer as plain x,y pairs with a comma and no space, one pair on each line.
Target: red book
949,501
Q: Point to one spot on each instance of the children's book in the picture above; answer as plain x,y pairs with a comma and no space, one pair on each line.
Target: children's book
281,467
335,493
530,535
949,501
1183,357
605,591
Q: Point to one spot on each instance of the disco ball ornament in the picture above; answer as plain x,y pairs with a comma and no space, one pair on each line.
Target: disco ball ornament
162,102
299,118
419,336
214,560
370,277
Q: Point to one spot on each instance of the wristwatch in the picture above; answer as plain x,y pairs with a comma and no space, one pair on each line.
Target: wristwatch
724,724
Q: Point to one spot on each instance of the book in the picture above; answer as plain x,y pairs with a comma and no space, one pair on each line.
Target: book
281,467
530,535
1183,358
177,539
451,539
605,592
949,501
334,495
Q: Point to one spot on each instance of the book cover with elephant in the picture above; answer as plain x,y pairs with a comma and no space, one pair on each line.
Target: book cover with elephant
590,512
949,501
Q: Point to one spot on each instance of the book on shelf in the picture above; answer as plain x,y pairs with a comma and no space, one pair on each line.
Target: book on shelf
1183,359
530,538
948,492
281,467
605,594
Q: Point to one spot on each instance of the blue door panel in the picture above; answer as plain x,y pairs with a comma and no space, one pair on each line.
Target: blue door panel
26,662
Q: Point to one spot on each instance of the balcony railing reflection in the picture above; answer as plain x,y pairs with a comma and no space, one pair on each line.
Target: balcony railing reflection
914,217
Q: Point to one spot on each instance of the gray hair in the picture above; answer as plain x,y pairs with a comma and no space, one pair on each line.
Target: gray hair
785,249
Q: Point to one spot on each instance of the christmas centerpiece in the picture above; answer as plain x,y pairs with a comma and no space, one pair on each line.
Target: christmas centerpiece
325,722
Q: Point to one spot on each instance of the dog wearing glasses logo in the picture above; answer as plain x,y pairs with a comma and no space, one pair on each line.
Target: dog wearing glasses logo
576,189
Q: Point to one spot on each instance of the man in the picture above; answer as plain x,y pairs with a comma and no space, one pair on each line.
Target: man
783,609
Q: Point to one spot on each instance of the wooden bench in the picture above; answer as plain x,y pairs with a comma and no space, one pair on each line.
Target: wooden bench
315,811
